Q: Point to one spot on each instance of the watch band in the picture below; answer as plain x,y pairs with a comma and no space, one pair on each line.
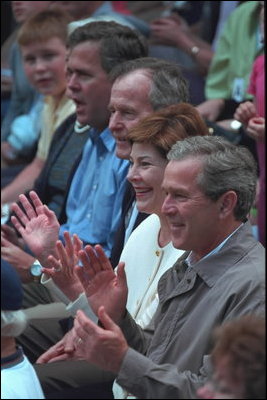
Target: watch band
36,279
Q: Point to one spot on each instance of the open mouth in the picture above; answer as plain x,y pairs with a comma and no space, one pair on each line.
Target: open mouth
43,81
120,139
141,192
79,104
176,226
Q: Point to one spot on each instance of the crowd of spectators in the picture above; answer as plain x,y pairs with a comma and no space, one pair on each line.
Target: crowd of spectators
133,199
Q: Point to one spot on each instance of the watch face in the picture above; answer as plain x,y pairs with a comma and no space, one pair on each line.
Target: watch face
235,124
36,269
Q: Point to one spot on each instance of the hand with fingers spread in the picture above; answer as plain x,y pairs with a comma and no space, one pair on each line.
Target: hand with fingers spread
101,284
62,271
37,225
106,347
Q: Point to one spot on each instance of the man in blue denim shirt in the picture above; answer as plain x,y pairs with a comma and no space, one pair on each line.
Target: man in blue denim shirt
97,187
96,191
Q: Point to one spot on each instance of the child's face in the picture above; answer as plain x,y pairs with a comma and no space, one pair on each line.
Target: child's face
44,64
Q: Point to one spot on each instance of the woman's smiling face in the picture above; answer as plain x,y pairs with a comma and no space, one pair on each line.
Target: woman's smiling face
146,174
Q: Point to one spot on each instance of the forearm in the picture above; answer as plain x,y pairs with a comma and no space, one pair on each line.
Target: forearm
203,56
21,261
138,338
211,109
80,303
146,379
23,182
198,49
153,372
55,292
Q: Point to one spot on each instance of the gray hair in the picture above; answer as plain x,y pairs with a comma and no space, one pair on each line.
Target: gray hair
226,166
13,323
117,43
168,86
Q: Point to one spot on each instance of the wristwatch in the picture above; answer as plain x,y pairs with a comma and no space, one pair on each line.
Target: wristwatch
36,271
194,50
235,125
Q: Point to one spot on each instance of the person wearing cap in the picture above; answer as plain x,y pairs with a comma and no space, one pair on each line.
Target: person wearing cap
18,378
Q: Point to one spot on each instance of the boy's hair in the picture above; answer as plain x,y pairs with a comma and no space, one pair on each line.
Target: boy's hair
44,26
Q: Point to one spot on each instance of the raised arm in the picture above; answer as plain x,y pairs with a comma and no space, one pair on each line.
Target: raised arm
62,271
175,31
102,286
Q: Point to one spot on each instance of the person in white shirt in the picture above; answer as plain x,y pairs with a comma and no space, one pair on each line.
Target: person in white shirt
18,377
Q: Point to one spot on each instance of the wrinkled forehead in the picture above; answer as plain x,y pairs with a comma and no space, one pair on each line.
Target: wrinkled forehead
135,80
132,90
